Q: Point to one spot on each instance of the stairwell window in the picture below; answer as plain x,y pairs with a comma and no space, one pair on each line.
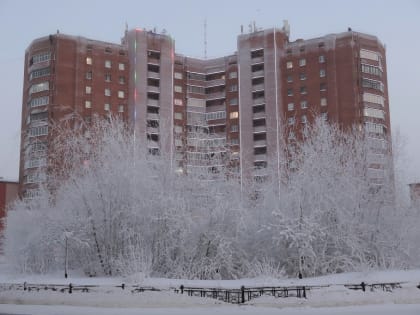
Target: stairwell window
88,60
108,64
234,115
302,62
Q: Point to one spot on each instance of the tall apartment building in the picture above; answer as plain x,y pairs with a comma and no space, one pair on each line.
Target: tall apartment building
228,113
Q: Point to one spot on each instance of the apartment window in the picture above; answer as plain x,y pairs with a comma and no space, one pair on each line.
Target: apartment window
121,66
108,64
121,80
371,70
289,92
89,75
304,104
216,115
321,59
289,78
178,101
368,54
178,129
291,121
88,89
292,135
88,60
234,115
107,92
107,77
121,94
39,73
323,87
234,128
233,88
289,65
303,90
178,116
39,87
88,104
233,75
120,108
324,116
323,101
39,101
302,62
373,98
178,75
375,128
304,119
372,112
322,73
45,56
233,101
373,84
234,141
290,106
302,76
107,107
38,131
178,88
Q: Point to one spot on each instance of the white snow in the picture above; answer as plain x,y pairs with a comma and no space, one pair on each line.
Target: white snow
333,298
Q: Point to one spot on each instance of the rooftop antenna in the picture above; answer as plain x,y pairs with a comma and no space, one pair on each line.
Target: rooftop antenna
205,38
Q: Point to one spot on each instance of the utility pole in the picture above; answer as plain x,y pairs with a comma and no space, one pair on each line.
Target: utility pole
65,260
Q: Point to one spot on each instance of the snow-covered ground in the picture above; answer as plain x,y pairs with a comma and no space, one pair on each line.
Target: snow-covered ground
334,298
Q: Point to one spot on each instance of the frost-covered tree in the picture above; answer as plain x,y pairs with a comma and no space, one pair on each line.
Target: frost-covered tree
123,210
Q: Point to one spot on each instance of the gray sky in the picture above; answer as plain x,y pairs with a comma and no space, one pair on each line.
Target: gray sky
396,23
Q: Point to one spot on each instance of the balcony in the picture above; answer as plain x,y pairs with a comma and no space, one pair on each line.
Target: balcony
260,129
256,60
258,74
151,116
259,115
152,130
258,87
260,157
260,172
152,144
153,89
216,82
153,103
153,75
258,101
260,143
214,96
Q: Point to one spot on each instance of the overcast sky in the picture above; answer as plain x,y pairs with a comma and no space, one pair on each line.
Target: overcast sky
396,23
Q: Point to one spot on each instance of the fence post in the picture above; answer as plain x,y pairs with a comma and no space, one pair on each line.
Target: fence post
363,286
242,294
122,286
70,288
304,292
182,288
24,286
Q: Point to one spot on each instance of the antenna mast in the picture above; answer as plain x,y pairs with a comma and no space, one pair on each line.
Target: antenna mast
205,38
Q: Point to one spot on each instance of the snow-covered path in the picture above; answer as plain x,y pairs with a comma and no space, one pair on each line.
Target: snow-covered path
332,297
384,309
